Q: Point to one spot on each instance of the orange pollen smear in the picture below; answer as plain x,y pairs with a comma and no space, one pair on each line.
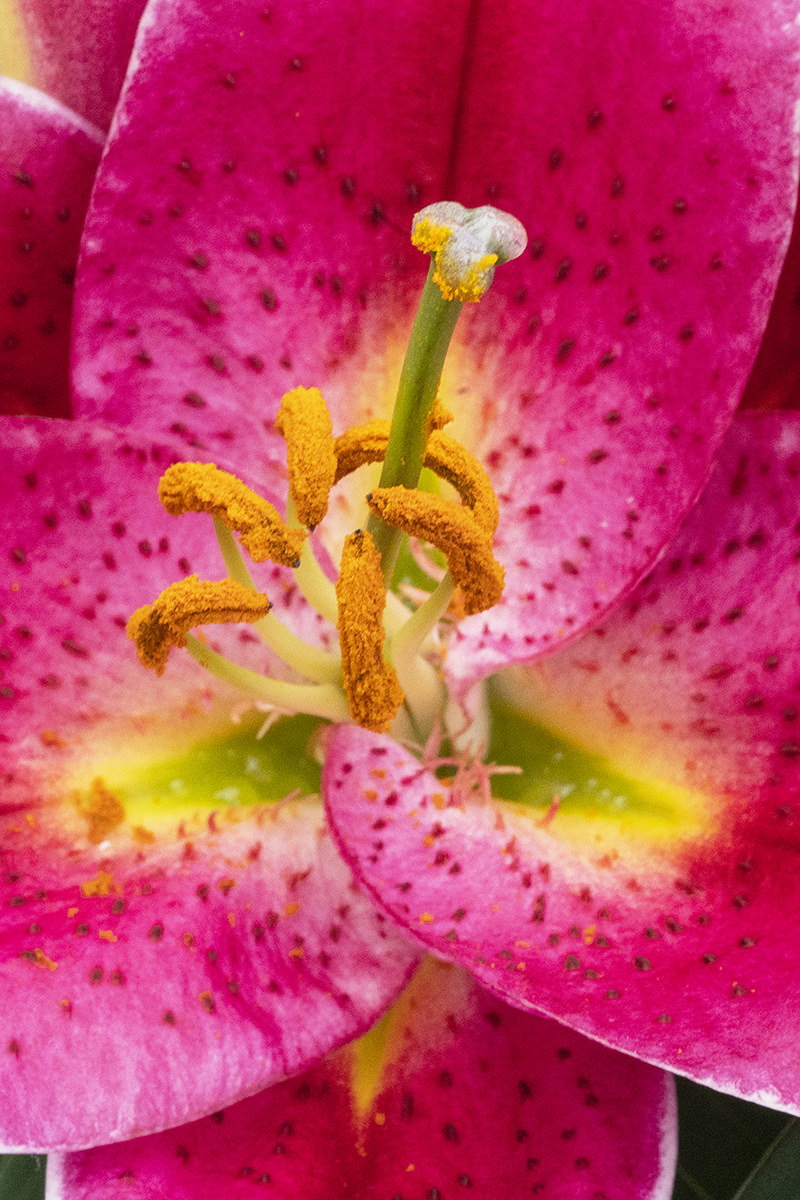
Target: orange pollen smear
203,488
101,809
453,529
156,628
305,423
373,692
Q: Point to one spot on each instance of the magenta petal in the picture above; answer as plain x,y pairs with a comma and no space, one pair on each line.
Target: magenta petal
463,1095
49,160
653,163
251,235
172,937
80,50
664,928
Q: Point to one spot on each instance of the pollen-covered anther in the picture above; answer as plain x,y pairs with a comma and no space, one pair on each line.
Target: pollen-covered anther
359,445
446,457
467,244
373,692
203,487
156,628
452,528
305,423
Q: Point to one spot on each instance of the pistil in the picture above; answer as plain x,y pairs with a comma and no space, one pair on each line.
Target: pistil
465,246
371,675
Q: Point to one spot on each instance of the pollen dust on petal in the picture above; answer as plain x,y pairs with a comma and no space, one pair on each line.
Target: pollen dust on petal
103,884
102,810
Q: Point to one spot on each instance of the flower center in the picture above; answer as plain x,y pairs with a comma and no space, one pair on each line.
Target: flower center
384,674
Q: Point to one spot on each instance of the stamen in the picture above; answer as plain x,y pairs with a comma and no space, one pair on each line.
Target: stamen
305,423
466,244
446,457
373,693
202,487
156,628
359,445
453,529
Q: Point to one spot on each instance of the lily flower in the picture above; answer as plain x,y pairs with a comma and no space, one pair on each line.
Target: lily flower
220,261
419,1079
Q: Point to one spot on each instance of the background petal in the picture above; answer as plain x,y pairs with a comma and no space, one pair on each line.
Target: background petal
78,52
775,379
249,233
454,1091
50,156
174,932
639,881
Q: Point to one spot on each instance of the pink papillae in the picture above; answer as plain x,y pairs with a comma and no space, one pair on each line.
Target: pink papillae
671,941
468,1097
168,957
49,159
653,163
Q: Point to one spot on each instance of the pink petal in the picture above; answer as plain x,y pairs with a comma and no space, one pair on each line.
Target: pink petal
248,261
49,160
654,905
652,162
203,940
252,235
467,1096
80,50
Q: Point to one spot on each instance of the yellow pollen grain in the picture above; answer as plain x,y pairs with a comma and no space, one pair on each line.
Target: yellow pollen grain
380,1118
101,809
452,529
107,935
471,285
292,908
41,960
145,837
426,918
103,884
202,487
156,628
71,912
51,739
373,692
305,423
430,237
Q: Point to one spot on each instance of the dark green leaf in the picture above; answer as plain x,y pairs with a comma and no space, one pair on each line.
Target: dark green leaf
777,1175
22,1176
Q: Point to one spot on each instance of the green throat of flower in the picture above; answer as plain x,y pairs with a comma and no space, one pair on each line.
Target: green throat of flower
384,659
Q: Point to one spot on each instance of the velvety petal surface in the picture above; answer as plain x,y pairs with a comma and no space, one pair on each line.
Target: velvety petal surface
249,232
176,927
453,1093
79,51
49,157
638,881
